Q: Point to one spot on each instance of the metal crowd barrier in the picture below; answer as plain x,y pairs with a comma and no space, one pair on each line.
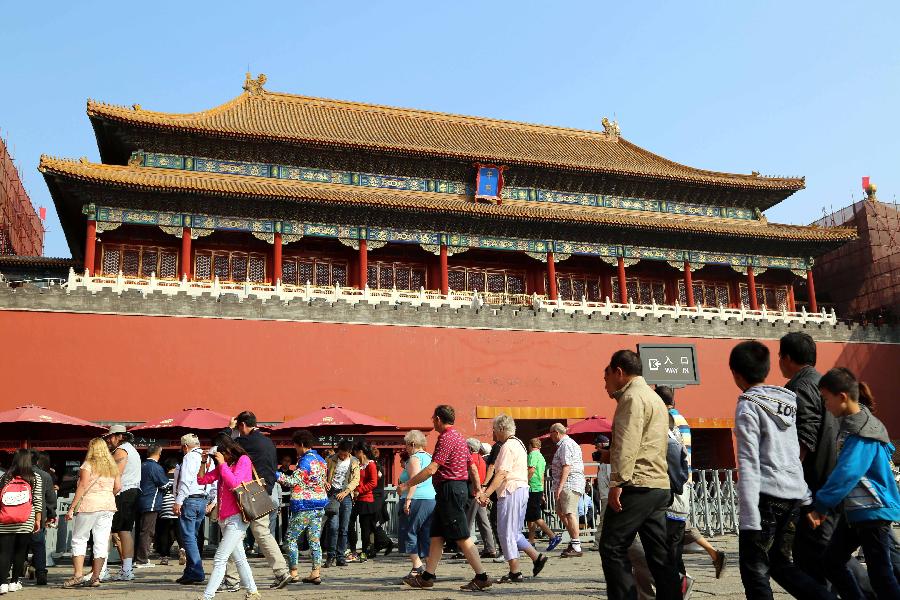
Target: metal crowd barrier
714,508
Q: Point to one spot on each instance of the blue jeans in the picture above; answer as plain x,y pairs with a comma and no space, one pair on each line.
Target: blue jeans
875,537
39,548
193,511
230,546
337,541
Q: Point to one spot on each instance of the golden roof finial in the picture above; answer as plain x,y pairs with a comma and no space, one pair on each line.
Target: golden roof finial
254,86
610,128
870,192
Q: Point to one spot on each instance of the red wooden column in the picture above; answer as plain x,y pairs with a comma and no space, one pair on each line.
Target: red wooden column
363,264
792,305
445,273
811,288
688,284
551,277
623,285
751,289
90,245
276,258
185,253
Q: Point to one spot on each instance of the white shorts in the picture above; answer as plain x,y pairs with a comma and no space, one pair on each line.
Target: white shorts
98,523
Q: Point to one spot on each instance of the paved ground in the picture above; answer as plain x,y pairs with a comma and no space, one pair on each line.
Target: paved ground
380,579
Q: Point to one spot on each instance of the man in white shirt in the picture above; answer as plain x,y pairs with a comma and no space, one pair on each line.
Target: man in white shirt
118,439
568,480
192,503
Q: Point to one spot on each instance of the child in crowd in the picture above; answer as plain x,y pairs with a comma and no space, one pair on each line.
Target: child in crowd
771,488
862,485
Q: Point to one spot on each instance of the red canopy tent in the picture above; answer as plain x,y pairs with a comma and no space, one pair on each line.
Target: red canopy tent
189,420
35,424
335,420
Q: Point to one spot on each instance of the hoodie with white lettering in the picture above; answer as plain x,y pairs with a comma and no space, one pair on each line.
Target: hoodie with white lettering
768,452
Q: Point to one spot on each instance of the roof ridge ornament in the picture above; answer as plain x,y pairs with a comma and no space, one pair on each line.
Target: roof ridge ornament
611,128
254,87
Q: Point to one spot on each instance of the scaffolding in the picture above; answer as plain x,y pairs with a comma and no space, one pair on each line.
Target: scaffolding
862,278
21,229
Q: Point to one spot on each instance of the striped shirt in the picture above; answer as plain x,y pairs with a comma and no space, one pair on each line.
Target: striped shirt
685,430
37,500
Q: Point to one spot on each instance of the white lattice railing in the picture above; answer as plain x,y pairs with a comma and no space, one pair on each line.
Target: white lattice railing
432,298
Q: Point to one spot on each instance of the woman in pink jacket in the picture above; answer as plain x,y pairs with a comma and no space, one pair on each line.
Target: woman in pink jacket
233,467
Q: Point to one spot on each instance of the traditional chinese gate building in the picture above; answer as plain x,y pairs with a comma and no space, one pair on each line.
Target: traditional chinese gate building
277,201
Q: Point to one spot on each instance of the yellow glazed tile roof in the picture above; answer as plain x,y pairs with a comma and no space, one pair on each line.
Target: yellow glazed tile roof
260,114
167,180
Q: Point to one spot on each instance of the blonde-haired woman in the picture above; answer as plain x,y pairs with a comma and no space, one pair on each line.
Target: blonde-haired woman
416,504
92,509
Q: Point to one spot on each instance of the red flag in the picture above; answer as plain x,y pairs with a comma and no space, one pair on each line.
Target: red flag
865,183
43,212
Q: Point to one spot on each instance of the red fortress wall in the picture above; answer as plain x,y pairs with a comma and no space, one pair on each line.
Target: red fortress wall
132,368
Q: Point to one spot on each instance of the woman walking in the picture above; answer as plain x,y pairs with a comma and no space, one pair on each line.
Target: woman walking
22,500
308,501
416,504
233,467
365,499
510,481
92,509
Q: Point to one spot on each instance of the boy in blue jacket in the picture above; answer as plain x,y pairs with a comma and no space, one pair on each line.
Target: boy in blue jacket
861,486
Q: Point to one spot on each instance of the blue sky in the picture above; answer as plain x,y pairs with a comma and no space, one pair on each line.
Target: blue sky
784,88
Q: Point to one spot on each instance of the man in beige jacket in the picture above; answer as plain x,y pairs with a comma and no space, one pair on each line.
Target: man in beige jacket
639,482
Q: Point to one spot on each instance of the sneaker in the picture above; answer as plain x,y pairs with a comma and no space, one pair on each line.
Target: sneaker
499,559
342,562
146,565
477,585
234,587
123,576
104,576
687,585
329,562
719,563
486,554
554,543
571,552
164,561
15,586
418,581
4,588
252,596
280,581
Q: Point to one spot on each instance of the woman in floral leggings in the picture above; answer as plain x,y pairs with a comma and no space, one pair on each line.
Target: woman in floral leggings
308,501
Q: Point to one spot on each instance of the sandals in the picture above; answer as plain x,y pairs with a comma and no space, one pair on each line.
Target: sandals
477,585
312,580
539,564
512,578
74,582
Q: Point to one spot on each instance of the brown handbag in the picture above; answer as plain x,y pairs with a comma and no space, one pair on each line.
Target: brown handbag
253,499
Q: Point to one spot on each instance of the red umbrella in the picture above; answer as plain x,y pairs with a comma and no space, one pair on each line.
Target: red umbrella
188,420
336,420
35,423
585,431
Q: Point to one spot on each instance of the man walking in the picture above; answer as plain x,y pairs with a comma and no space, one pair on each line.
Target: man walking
568,481
817,432
537,466
41,462
265,458
451,469
191,502
129,462
478,514
639,482
154,482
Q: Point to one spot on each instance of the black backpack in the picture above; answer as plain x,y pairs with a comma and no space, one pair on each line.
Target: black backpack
676,457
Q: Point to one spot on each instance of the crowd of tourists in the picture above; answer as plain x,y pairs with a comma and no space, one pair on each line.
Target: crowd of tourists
816,484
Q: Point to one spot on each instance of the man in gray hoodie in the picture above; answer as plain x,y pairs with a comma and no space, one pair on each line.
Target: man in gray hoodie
771,488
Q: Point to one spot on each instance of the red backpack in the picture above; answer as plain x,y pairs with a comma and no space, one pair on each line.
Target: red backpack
15,502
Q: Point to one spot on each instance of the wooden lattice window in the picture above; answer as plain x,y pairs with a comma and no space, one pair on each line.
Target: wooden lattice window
139,261
390,275
706,293
496,281
300,270
230,266
774,297
575,287
640,290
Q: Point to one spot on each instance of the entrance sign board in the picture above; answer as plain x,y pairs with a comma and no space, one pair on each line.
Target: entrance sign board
669,364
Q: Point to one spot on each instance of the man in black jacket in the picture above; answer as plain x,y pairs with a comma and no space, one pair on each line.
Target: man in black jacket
264,456
817,432
39,538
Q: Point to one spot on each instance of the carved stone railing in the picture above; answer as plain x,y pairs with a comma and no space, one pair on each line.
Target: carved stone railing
431,298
